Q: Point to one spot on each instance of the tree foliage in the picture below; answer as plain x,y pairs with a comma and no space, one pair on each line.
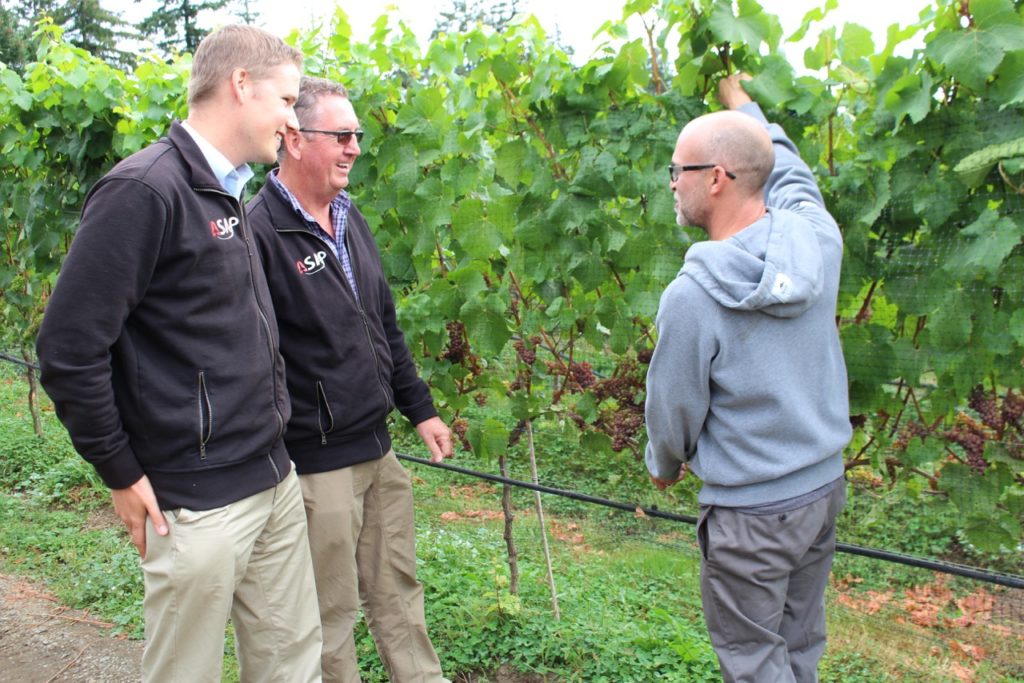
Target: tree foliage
523,214
14,40
177,26
86,24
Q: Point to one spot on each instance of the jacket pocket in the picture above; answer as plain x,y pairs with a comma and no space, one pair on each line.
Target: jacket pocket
323,413
205,410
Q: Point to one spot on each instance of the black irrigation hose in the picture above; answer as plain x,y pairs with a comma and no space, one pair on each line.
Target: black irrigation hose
18,361
1009,580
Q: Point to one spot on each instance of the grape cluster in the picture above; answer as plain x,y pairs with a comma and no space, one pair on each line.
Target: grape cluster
623,385
579,376
985,406
458,351
623,419
907,432
527,354
644,356
457,348
583,375
622,426
1013,408
516,435
972,441
460,426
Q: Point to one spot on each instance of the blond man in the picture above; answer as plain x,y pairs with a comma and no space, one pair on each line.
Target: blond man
160,351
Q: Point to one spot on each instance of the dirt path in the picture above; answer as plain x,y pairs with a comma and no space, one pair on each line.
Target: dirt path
41,641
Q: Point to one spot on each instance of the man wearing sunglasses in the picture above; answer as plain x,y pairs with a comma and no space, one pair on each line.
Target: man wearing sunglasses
747,387
348,367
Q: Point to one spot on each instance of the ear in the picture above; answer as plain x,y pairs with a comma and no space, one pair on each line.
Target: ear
293,143
241,85
719,181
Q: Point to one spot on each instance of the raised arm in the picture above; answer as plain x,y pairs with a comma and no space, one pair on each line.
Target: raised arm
791,183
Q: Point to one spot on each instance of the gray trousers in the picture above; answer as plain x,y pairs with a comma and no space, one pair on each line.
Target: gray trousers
763,581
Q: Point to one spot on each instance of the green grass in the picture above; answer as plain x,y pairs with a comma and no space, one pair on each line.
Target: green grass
627,586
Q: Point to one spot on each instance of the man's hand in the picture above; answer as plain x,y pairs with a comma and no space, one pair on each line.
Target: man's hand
662,484
731,93
133,505
437,437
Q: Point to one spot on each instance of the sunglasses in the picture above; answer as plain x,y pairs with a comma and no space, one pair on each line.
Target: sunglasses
343,135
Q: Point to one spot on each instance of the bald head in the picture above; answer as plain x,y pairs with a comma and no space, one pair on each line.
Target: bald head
735,141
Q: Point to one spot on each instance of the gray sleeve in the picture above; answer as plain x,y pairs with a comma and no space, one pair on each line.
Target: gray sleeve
678,379
791,182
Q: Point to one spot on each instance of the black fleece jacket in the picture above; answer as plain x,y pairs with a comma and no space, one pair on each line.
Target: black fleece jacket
159,343
347,361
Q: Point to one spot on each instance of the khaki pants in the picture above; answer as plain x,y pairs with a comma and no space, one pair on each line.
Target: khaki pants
763,580
363,539
248,560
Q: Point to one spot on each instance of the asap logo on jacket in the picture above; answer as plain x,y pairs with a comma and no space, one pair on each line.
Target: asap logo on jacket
312,264
224,228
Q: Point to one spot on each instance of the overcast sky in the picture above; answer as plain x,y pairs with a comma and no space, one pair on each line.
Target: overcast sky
576,20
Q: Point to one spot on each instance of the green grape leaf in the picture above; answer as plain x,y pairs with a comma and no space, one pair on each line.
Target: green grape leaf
855,43
812,16
477,235
774,85
748,29
920,453
950,326
910,96
974,167
485,323
992,238
488,437
1017,325
1009,85
993,533
971,55
972,493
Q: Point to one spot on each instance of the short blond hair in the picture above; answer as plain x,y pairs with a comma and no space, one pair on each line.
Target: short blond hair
236,47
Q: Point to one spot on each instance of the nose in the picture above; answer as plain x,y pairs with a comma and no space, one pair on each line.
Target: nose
292,122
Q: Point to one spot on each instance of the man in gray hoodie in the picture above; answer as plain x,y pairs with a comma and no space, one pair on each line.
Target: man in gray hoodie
747,387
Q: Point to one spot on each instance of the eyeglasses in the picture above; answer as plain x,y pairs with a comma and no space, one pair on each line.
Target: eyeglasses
343,135
675,169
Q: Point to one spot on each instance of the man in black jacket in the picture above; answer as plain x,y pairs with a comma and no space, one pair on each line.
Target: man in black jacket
348,367
159,349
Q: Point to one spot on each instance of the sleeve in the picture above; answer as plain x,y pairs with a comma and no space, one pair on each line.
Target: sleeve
791,182
678,381
412,396
105,275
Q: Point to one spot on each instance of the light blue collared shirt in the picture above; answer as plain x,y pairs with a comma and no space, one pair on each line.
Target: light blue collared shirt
231,178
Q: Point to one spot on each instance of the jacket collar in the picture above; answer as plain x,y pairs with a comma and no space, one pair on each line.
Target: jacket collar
282,215
202,176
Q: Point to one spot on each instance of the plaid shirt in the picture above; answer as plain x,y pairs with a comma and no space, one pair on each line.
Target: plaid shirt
339,217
